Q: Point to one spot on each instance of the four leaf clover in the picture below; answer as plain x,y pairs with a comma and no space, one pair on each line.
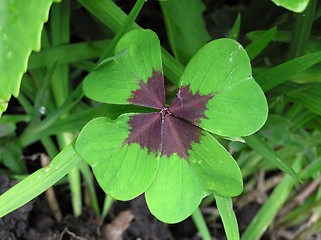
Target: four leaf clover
170,153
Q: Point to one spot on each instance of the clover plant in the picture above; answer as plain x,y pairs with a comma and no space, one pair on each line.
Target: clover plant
171,153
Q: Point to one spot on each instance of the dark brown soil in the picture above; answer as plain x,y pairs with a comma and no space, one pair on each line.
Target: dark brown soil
126,220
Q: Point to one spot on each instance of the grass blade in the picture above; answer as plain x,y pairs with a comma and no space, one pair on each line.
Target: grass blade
39,181
201,224
66,54
113,17
257,46
225,208
283,72
235,30
302,30
186,34
258,145
271,207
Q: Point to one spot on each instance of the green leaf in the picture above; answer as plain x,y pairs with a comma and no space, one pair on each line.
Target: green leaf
217,170
137,55
66,54
285,71
238,107
123,171
39,181
175,192
257,144
11,155
7,128
271,207
185,26
200,223
257,46
225,208
20,31
301,31
292,5
307,95
235,30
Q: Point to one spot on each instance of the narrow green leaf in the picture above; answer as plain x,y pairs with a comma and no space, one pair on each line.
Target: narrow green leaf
283,72
201,224
11,154
225,208
222,67
124,28
175,192
17,17
235,30
112,16
90,184
108,203
301,32
308,95
107,12
123,171
66,54
258,145
173,70
292,5
39,181
257,46
271,207
114,81
185,26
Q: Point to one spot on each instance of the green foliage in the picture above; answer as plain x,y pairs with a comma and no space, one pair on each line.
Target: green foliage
211,168
15,44
292,5
185,26
222,67
284,50
225,207
39,181
136,56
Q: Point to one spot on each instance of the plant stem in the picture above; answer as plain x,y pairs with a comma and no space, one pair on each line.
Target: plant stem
302,28
201,224
107,205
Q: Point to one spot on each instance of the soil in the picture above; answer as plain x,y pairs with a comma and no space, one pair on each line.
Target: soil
126,220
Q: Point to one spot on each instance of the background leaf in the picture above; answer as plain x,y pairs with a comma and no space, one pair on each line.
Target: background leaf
293,5
39,181
257,46
271,207
185,26
20,32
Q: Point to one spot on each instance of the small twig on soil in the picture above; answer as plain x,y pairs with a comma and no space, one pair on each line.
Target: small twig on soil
74,236
253,195
115,230
301,197
50,193
261,188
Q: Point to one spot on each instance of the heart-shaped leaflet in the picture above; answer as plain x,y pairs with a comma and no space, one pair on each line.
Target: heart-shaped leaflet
170,154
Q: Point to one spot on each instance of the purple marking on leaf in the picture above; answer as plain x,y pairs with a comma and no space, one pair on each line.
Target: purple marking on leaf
172,129
150,94
189,106
178,136
146,131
